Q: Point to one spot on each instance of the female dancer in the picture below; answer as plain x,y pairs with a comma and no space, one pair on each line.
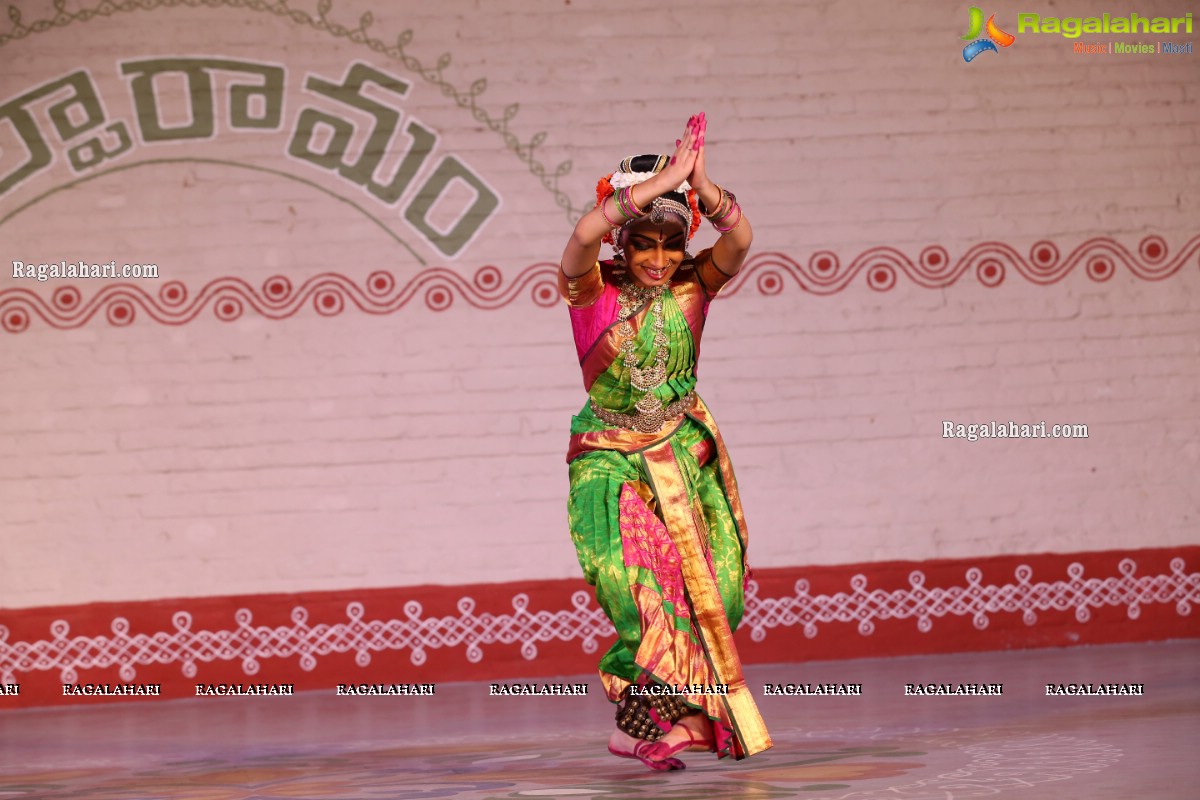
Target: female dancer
654,509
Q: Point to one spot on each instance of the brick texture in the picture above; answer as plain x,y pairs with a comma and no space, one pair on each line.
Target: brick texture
366,450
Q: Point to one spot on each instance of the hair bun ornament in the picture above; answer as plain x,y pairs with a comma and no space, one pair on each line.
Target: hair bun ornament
638,169
620,180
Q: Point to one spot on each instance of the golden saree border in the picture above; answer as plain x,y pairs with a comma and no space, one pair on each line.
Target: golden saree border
602,354
614,686
684,528
689,295
626,441
660,653
620,439
708,610
701,414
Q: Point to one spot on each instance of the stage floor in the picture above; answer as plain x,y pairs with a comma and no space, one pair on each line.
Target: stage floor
463,743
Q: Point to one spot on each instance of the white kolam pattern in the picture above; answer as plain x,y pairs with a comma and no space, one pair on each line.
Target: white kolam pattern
583,622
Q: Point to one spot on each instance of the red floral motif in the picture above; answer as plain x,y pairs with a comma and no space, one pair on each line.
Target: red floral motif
646,543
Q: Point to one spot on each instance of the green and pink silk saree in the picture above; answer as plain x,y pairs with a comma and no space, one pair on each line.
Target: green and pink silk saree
655,515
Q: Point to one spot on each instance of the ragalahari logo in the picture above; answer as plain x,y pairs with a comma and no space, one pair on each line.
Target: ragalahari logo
995,36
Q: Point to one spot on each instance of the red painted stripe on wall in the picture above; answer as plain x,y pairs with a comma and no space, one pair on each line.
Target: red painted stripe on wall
431,634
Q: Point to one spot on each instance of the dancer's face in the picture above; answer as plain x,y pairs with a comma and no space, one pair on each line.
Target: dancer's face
653,252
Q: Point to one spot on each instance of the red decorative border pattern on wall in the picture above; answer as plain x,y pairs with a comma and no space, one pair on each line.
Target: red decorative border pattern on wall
554,627
768,273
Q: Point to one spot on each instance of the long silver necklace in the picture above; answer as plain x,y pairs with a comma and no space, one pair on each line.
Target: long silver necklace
647,380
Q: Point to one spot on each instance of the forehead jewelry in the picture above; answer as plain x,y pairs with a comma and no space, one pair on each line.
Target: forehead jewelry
661,206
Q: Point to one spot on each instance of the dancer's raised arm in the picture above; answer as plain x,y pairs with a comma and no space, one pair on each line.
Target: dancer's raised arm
723,211
583,248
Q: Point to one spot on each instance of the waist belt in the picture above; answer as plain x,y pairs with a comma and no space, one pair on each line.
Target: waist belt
644,421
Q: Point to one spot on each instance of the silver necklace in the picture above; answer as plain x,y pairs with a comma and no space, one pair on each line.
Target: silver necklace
631,298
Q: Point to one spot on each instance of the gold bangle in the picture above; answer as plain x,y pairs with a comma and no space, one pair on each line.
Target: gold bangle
703,205
633,202
604,214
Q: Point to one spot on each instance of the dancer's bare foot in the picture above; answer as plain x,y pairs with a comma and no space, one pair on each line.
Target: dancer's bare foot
691,732
702,730
626,746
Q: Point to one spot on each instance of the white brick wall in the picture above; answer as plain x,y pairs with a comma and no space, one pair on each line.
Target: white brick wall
359,450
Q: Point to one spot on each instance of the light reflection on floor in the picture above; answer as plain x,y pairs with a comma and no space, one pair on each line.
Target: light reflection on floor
461,743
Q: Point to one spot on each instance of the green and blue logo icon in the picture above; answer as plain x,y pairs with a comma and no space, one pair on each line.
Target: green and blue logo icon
994,37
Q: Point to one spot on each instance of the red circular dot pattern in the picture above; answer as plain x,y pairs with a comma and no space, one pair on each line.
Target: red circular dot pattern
120,313
228,309
173,293
438,299
66,297
380,283
1153,249
328,302
881,279
16,321
769,283
1100,269
487,278
488,288
990,272
277,288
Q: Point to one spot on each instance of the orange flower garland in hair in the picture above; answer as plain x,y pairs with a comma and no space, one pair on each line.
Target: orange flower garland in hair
691,196
604,190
